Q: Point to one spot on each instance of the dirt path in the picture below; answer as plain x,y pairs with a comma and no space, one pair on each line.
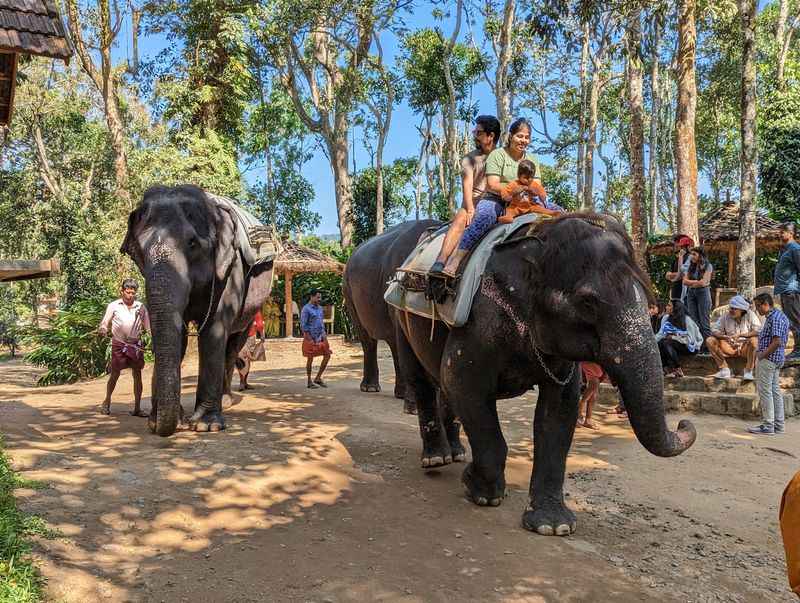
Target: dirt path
317,496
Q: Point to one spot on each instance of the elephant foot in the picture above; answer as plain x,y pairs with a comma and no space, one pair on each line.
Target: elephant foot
453,437
550,518
409,406
435,449
202,421
399,391
370,387
479,491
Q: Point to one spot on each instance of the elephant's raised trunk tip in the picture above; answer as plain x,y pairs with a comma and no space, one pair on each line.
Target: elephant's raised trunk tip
677,442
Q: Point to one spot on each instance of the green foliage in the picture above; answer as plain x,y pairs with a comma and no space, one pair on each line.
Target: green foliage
70,348
558,184
20,581
779,156
423,70
397,200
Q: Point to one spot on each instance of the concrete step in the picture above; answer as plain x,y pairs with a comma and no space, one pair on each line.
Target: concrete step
696,383
703,365
713,402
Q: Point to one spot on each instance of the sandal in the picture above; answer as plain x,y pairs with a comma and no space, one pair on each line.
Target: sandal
320,383
312,386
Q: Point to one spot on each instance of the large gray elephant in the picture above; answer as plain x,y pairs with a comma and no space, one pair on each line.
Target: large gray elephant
563,291
190,249
363,285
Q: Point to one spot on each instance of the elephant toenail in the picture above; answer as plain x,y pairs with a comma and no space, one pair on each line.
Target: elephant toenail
545,530
562,530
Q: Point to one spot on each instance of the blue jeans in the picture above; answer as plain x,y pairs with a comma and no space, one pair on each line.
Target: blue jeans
486,214
698,305
768,376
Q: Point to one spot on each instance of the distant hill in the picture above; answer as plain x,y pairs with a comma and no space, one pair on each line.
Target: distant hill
330,237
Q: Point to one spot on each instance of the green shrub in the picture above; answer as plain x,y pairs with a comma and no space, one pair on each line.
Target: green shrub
70,348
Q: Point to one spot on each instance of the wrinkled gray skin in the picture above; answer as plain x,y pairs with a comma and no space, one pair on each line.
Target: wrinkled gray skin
185,245
371,266
363,285
573,289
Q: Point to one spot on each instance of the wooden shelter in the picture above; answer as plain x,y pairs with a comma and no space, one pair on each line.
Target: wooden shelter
295,258
27,27
719,234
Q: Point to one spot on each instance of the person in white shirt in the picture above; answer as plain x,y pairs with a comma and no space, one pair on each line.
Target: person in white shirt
126,319
735,334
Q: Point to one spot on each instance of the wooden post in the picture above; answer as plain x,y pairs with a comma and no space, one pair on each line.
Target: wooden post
732,265
287,287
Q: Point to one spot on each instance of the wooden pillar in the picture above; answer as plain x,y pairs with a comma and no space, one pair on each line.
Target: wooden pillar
287,287
731,265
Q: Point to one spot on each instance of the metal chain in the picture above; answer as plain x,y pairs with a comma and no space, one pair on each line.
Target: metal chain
547,371
210,304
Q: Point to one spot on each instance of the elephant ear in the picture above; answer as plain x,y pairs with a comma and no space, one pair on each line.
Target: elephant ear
130,245
226,242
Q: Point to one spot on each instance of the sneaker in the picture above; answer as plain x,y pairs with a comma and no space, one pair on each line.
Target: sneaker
723,373
748,376
761,430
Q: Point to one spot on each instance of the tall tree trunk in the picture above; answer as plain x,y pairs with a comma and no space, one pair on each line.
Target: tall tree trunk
584,68
685,146
107,83
780,35
591,141
379,185
633,39
502,92
449,154
655,93
136,18
746,251
337,150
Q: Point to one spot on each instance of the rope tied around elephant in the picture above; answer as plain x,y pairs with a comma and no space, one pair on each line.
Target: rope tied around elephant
490,290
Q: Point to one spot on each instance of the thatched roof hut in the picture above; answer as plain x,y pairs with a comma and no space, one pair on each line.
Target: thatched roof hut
719,234
294,258
297,258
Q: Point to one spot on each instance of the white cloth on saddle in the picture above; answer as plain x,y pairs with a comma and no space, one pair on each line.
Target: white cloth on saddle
245,222
455,310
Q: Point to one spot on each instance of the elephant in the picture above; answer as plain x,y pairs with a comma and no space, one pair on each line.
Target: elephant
363,284
189,248
551,295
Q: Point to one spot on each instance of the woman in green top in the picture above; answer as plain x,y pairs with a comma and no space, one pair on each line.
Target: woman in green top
501,168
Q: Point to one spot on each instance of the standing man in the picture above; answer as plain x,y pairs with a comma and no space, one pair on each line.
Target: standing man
315,340
771,342
126,318
681,244
486,136
787,282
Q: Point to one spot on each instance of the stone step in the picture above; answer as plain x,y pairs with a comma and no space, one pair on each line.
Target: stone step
695,383
703,365
718,403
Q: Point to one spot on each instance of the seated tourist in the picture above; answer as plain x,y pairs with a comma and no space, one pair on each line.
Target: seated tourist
735,334
486,136
678,336
501,168
657,313
525,195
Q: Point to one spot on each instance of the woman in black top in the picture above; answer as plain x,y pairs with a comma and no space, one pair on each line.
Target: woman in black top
698,290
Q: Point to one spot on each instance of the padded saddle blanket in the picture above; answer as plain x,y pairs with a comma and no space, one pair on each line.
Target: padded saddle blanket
454,311
256,241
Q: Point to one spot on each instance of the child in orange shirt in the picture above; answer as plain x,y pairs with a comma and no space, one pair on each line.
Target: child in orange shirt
525,195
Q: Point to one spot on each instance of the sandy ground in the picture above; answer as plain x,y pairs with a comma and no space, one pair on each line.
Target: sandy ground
318,496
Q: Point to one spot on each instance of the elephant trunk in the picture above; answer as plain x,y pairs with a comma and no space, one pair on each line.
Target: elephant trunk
631,358
166,318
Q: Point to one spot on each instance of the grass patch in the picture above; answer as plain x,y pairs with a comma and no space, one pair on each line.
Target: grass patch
20,581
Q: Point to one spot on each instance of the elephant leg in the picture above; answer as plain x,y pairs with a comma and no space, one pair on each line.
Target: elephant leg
207,414
399,379
235,344
371,380
553,428
435,448
452,428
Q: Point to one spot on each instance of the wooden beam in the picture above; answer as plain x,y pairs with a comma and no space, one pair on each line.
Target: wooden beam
732,266
287,288
19,270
